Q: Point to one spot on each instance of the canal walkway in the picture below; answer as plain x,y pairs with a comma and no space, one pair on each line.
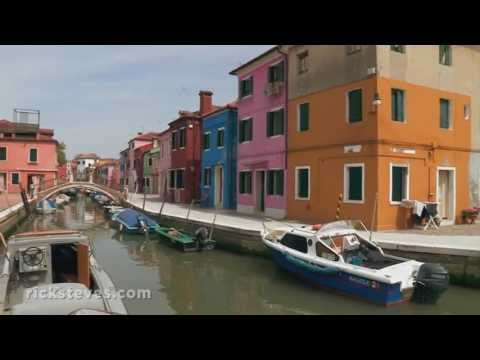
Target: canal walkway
409,241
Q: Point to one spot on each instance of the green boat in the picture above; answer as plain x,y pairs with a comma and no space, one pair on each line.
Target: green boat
184,241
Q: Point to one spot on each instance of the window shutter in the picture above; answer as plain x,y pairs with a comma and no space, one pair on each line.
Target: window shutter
280,122
303,183
249,182
269,124
270,182
280,182
304,117
355,183
280,71
444,114
355,105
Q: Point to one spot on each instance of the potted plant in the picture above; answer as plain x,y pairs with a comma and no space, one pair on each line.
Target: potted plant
470,215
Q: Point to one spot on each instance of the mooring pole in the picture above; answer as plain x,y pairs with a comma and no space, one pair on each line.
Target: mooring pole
212,227
164,196
339,207
373,215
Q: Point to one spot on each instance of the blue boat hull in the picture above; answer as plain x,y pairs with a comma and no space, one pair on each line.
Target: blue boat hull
369,290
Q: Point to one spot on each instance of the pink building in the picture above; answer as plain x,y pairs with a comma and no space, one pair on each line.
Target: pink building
133,179
28,155
107,172
161,162
261,161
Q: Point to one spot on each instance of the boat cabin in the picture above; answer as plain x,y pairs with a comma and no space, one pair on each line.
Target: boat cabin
58,260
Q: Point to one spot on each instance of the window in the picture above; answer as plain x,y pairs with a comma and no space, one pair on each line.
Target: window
295,242
398,48
303,117
445,110
147,182
275,182
180,174
276,73
353,49
3,153
398,105
353,183
207,177
206,141
150,161
220,137
445,52
398,183
182,138
245,131
302,61
33,156
245,183
15,178
171,179
174,140
275,123
246,87
302,183
325,252
354,106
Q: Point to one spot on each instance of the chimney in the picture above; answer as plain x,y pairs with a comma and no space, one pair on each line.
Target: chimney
206,105
139,133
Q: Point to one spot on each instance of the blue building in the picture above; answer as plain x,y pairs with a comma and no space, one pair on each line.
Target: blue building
219,158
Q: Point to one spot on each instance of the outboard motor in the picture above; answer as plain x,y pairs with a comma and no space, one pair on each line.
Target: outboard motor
143,226
431,282
201,234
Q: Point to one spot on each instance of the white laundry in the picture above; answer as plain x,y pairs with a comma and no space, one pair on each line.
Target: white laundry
417,208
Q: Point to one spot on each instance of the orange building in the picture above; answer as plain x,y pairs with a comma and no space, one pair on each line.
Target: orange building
373,138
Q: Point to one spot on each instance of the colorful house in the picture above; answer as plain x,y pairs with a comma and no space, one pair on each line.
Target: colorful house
377,125
85,163
124,168
219,158
134,180
184,174
162,163
138,163
28,155
261,160
108,173
150,179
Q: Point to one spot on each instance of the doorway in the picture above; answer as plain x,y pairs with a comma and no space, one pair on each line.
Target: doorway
219,181
446,195
260,190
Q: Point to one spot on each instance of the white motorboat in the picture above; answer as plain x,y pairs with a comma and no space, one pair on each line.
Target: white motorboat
54,273
337,256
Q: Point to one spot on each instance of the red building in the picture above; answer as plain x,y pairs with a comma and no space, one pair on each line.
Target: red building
28,156
184,174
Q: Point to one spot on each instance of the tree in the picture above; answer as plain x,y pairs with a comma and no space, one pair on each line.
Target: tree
61,157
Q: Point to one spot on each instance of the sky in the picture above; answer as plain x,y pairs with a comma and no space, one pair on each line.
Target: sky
97,97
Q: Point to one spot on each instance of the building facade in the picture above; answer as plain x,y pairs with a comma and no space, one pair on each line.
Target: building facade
376,125
162,163
261,160
149,177
219,158
28,156
134,180
85,163
124,168
107,173
138,163
184,174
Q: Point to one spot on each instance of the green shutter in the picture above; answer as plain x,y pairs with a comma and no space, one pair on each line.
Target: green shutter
444,114
280,71
269,124
355,183
279,180
280,122
3,153
397,183
304,117
270,182
303,185
398,104
248,186
241,130
249,130
355,106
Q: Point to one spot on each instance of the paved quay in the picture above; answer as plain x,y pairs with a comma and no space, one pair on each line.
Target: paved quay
462,240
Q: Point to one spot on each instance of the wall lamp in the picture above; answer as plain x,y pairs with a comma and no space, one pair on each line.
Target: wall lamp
377,101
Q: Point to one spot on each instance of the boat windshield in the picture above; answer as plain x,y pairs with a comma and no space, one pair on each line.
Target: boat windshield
344,225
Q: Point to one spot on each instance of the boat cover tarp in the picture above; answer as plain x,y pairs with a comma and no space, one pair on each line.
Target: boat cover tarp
131,217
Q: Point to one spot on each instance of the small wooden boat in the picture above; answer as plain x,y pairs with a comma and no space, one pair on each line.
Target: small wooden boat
54,273
46,206
133,221
337,256
186,242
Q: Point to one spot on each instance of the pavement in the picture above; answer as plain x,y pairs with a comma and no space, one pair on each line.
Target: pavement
462,240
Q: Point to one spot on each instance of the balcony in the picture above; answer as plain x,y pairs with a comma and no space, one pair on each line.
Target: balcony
26,120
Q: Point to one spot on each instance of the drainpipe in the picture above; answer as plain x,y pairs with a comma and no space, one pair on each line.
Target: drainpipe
286,70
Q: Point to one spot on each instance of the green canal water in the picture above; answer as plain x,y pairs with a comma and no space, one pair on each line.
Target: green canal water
215,282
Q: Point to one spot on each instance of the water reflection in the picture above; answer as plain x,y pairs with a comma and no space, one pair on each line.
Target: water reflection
215,282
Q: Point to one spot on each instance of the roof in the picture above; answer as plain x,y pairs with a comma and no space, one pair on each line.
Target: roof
6,125
146,137
230,106
234,71
143,149
87,156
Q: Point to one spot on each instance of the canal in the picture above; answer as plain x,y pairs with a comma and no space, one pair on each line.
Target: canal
215,282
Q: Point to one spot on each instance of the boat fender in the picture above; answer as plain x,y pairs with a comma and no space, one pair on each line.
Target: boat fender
121,227
201,234
316,227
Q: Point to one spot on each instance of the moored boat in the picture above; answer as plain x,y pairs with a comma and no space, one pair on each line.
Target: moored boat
133,221
337,256
186,242
54,273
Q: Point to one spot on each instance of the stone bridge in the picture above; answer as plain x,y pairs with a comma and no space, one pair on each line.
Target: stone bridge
110,193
